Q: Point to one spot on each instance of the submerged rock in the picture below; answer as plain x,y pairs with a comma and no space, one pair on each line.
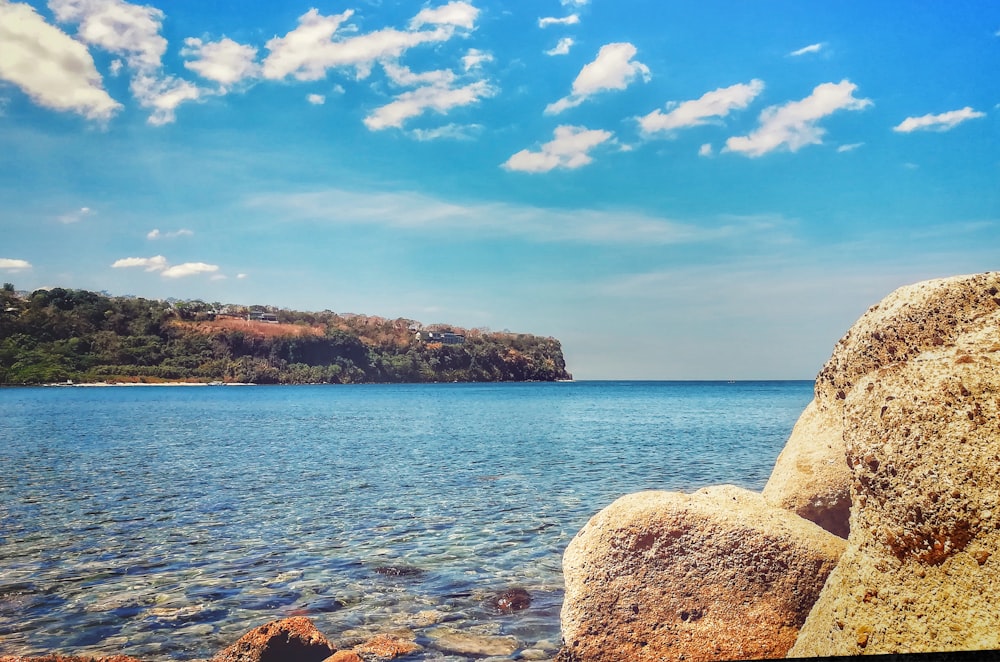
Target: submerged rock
293,639
386,647
398,571
465,642
718,574
511,600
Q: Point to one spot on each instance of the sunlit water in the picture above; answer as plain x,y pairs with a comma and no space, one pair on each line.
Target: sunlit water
165,522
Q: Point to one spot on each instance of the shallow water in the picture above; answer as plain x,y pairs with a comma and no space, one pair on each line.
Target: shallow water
165,522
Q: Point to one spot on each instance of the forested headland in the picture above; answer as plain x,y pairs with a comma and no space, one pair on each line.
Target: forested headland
60,335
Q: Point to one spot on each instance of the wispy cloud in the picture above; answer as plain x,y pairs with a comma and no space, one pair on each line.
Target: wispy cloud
811,48
320,43
561,48
440,96
189,269
612,69
448,132
421,213
155,263
158,263
156,234
316,99
705,150
795,124
849,148
941,122
52,68
717,103
76,215
572,19
13,265
569,149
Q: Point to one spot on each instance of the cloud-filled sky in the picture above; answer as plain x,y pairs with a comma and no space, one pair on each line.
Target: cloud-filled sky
711,190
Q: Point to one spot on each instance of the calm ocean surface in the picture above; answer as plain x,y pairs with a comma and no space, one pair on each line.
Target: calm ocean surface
165,522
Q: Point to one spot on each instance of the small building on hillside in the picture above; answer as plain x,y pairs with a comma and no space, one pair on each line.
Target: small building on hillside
446,337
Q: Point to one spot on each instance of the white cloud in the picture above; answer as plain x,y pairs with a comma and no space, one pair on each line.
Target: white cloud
849,148
705,150
155,263
316,45
613,69
77,215
316,99
717,103
475,58
575,3
189,269
941,122
156,234
118,27
568,149
163,95
572,19
448,132
225,62
115,68
460,14
562,48
794,125
133,32
439,97
11,264
53,69
240,276
159,263
811,48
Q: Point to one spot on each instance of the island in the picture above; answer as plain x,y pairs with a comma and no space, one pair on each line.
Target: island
70,336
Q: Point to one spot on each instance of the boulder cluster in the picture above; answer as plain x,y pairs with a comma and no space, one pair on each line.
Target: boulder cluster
877,532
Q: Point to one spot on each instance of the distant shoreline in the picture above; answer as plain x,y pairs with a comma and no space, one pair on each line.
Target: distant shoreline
100,384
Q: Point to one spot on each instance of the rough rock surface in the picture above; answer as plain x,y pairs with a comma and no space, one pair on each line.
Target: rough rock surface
810,477
921,572
67,658
293,639
712,575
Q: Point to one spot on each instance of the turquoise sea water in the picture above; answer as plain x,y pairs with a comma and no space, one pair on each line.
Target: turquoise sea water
164,522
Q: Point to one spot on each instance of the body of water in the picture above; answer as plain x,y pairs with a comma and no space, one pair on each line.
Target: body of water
164,522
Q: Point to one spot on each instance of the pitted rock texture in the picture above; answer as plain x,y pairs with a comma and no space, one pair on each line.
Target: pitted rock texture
293,639
811,477
921,571
717,574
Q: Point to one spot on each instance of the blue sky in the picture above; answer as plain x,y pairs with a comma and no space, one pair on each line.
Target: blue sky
707,190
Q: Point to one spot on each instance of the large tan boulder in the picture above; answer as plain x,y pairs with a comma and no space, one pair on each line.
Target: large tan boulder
712,575
922,570
811,476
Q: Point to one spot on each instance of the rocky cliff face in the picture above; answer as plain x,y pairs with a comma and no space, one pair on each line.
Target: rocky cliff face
899,452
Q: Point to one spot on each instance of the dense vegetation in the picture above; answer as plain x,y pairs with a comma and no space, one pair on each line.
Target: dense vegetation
58,335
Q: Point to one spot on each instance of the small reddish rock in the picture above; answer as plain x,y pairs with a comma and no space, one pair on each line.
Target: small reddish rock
343,656
289,640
